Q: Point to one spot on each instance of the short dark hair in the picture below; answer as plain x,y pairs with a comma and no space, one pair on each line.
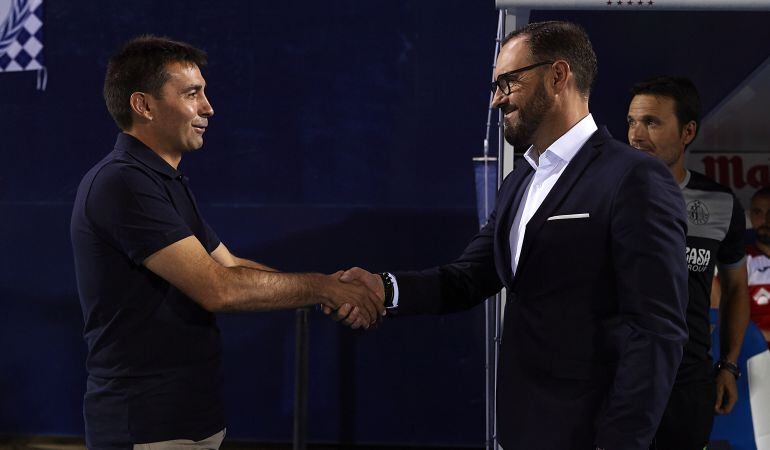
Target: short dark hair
140,66
561,40
761,192
680,89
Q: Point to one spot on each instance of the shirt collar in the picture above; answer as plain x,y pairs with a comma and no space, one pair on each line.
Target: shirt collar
686,180
566,147
145,155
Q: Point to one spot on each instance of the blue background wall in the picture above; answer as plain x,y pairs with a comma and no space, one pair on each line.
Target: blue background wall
343,135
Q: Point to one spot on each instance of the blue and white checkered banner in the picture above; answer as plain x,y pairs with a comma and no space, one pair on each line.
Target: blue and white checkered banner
21,38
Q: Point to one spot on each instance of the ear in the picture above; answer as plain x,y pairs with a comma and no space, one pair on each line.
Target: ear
689,131
558,76
140,105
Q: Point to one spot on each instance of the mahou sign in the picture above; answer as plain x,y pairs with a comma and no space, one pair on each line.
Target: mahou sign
744,173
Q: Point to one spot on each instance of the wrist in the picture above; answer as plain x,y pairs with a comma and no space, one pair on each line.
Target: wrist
317,289
387,287
725,365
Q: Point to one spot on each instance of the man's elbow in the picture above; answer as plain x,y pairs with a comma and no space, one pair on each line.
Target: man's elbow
214,303
222,298
215,296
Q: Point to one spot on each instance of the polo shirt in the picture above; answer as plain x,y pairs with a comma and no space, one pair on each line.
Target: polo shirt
715,228
154,355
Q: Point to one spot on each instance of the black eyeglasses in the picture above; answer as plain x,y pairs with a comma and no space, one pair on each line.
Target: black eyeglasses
504,80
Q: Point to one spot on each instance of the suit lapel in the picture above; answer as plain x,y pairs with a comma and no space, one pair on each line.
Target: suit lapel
584,157
509,204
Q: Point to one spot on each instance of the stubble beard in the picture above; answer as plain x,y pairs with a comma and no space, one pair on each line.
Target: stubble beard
531,116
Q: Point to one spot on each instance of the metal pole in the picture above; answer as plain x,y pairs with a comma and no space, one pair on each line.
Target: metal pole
300,380
492,305
498,300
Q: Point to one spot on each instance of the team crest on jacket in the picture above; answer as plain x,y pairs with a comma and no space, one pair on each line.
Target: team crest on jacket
697,213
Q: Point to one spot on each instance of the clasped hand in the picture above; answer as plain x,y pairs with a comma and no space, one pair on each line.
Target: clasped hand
364,310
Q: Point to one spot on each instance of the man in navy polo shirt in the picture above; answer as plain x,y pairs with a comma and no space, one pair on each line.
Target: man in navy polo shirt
151,272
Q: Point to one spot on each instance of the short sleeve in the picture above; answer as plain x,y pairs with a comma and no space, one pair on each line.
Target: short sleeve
212,240
732,250
133,212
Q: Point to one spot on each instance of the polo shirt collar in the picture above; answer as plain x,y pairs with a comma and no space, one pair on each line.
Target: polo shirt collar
143,154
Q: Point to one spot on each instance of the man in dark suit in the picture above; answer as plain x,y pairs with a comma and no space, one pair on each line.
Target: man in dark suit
587,237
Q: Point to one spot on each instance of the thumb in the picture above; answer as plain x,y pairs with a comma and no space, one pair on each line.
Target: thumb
720,395
351,274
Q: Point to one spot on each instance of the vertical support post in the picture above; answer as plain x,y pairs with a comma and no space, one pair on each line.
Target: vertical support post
492,305
300,379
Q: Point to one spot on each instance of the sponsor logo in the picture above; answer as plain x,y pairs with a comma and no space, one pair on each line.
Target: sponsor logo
762,297
697,212
744,173
698,259
730,171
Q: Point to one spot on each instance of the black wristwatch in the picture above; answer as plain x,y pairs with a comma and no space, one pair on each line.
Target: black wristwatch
728,366
387,283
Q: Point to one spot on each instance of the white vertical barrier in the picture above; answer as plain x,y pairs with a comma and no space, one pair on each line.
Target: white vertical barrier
759,396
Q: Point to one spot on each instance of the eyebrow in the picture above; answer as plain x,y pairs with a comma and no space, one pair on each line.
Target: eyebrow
644,117
192,87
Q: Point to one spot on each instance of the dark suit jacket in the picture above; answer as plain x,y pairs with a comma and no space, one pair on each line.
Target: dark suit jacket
594,321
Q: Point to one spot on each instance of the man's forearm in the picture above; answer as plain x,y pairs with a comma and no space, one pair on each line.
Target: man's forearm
258,290
217,283
734,317
255,289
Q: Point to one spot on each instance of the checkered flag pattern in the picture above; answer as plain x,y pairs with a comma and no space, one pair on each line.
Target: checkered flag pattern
21,36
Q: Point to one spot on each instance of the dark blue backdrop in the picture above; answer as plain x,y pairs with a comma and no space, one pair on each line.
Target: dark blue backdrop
343,135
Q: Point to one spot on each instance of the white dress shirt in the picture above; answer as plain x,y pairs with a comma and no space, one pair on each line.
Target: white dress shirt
548,168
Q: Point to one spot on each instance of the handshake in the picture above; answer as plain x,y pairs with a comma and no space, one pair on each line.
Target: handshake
354,297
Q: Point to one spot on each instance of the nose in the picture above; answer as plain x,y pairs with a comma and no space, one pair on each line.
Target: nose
499,99
636,133
205,109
